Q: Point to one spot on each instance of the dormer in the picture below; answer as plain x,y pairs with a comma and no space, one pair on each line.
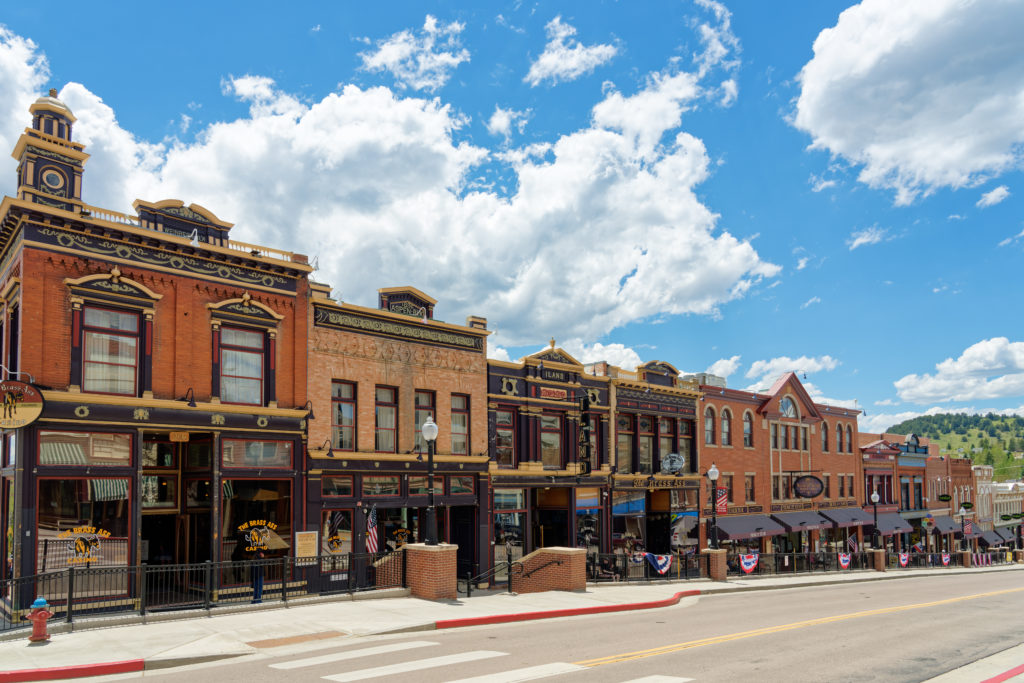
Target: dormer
192,221
657,372
406,301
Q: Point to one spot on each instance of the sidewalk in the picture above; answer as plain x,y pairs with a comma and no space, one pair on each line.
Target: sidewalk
173,639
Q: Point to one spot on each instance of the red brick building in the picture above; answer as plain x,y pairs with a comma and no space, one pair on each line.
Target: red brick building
171,362
773,450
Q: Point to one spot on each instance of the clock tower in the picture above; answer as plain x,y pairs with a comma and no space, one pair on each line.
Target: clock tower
49,163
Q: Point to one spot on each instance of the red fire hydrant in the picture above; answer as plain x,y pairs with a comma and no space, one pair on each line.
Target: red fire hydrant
38,617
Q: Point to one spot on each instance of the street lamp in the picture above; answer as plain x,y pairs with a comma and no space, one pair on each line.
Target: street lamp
963,537
874,532
430,434
713,478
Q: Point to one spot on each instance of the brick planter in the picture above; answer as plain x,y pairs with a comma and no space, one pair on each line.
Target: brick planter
430,570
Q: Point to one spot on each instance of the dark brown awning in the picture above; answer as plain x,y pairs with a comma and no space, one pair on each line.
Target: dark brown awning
805,520
890,523
846,517
1007,534
738,527
945,525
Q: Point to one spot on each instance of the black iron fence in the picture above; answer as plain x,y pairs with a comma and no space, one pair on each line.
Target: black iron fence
914,560
88,591
644,566
749,564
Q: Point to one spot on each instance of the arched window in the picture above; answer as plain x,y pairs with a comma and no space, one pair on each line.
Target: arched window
839,438
726,427
709,425
748,430
849,439
824,437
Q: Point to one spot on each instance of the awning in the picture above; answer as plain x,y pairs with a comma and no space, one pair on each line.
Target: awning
974,533
109,489
945,525
60,453
801,521
890,523
846,517
991,538
1007,534
738,527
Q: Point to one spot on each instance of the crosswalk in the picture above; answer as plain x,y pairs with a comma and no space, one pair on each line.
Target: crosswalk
404,670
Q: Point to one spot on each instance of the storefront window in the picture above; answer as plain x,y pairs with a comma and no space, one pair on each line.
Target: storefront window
588,519
509,526
68,449
159,454
628,512
418,485
505,442
331,485
159,492
7,508
239,453
399,526
551,440
380,486
509,499
197,494
10,443
82,522
256,516
461,485
336,532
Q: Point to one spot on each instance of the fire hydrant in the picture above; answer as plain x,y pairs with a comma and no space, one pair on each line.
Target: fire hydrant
38,617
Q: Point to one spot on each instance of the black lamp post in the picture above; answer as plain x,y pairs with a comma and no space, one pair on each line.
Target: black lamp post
874,531
963,536
713,478
430,434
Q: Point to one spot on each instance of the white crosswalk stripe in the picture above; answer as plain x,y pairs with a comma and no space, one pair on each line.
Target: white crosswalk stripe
352,654
406,667
531,673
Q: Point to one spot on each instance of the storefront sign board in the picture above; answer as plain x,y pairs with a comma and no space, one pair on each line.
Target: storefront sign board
306,546
22,404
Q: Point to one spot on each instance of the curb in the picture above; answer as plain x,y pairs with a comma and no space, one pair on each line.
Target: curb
555,613
76,671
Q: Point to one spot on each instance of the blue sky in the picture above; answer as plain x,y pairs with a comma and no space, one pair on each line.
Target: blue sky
749,188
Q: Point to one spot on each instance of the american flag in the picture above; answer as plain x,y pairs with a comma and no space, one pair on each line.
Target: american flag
851,542
918,547
371,531
968,527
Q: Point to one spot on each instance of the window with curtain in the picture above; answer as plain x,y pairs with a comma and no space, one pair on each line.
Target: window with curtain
551,441
424,401
343,415
504,438
241,366
386,420
709,425
110,351
726,427
624,443
460,424
748,430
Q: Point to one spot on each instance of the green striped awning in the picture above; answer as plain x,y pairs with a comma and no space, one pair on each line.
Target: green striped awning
57,453
108,489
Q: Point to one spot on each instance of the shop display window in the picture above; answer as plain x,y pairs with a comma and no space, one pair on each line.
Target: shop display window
262,454
336,532
159,454
159,491
256,517
381,486
461,485
86,449
418,485
197,494
82,522
333,485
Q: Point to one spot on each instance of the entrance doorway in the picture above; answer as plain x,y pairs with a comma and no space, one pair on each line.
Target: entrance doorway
175,498
463,534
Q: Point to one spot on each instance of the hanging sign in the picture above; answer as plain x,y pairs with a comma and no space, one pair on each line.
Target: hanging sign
945,497
721,501
808,486
967,505
23,404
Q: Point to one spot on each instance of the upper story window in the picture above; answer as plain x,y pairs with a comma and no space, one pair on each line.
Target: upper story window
343,415
839,438
551,440
424,408
460,424
748,430
241,370
709,425
666,436
824,437
624,443
645,444
849,439
386,411
505,438
726,427
110,357
775,435
787,407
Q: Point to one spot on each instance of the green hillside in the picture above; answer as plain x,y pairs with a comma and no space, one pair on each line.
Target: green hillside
991,439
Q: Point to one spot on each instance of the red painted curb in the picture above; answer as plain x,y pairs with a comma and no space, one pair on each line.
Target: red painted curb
79,670
1006,675
552,614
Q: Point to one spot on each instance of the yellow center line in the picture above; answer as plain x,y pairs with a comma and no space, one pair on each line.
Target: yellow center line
666,649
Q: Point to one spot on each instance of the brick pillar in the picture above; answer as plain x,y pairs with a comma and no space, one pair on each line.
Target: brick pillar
965,558
552,569
717,568
430,570
879,559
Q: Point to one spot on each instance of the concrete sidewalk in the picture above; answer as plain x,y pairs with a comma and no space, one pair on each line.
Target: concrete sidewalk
103,646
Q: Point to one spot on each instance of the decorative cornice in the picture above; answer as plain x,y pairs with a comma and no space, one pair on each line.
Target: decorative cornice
426,333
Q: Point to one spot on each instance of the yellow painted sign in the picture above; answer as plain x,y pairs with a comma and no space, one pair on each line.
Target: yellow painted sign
22,404
179,436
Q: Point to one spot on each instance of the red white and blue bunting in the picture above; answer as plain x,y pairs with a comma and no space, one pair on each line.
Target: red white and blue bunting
748,562
904,559
660,562
844,560
945,559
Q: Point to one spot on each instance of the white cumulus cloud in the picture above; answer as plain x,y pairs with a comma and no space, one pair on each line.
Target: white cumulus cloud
723,367
861,238
565,58
993,197
619,355
421,62
503,121
991,368
921,94
767,371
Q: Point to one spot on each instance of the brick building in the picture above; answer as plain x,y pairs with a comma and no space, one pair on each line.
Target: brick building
772,450
375,375
171,365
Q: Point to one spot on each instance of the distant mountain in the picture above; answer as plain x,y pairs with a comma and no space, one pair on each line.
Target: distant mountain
996,440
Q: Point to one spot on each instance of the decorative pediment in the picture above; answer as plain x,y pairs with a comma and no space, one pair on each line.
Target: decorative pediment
789,387
406,301
552,355
112,287
246,310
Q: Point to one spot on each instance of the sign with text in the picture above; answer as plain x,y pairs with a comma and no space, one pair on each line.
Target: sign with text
23,404
808,486
306,546
721,500
547,392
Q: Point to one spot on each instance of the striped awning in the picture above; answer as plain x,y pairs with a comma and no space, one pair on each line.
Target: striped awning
58,453
108,489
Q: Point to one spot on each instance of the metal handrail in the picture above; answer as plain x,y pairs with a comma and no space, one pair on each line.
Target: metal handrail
491,573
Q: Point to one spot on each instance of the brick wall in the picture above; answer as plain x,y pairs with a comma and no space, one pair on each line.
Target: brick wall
430,570
565,570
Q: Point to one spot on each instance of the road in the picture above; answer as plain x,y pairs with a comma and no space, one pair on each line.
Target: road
901,630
